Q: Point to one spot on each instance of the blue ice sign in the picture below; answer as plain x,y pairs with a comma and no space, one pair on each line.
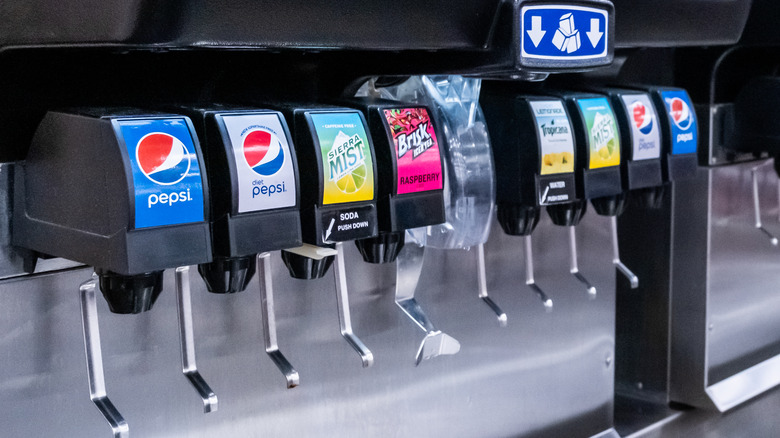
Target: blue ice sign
166,172
563,33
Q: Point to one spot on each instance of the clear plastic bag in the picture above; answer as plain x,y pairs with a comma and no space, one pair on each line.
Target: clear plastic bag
469,182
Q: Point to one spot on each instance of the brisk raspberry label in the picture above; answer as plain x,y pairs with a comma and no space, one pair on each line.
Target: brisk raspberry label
417,149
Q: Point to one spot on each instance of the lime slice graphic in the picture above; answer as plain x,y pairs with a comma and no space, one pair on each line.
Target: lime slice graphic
361,172
352,182
359,180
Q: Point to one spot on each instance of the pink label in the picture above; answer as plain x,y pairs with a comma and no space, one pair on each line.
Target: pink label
416,150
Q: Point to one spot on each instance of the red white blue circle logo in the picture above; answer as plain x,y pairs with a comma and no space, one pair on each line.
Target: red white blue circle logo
681,113
163,158
263,152
642,117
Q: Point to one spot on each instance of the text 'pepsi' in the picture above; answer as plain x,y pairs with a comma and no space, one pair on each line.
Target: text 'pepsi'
167,177
265,176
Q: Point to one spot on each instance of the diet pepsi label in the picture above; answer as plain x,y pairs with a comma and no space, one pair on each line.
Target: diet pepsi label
682,120
166,172
643,122
265,174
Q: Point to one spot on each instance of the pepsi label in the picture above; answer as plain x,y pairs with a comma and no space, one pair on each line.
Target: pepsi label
643,122
265,174
682,120
166,172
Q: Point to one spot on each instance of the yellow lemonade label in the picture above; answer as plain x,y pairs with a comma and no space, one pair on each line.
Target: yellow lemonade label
555,137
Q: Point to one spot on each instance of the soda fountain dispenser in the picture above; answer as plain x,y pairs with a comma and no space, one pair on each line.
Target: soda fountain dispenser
410,180
469,191
142,209
599,163
338,198
640,137
533,147
251,163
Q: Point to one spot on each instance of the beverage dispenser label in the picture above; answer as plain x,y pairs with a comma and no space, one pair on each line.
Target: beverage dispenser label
266,177
166,173
682,120
555,137
602,133
346,157
417,152
563,32
643,121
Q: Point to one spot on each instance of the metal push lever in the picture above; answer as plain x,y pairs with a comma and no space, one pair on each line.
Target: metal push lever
529,274
97,384
616,256
483,294
342,299
575,270
408,269
269,321
188,365
757,206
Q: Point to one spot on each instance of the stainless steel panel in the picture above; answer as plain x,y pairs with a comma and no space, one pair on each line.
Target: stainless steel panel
725,330
545,374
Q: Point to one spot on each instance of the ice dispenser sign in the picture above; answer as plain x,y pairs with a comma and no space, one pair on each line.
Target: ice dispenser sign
602,134
644,126
346,157
166,173
561,32
416,149
683,121
557,143
266,178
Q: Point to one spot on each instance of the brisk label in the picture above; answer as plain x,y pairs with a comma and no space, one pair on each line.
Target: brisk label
418,141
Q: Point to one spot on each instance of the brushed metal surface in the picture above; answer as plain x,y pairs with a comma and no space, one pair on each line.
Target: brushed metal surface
544,374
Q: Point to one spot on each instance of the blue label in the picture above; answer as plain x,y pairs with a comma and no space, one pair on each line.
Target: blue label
561,33
682,121
166,172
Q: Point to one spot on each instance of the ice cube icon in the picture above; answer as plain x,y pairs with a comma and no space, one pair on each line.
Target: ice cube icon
567,37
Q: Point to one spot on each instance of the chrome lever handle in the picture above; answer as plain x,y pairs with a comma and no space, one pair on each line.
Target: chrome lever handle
186,337
483,294
94,355
616,256
345,320
757,206
574,268
269,321
529,274
408,268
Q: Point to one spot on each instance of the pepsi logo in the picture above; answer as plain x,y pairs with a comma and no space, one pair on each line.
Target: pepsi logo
681,113
163,158
642,117
263,152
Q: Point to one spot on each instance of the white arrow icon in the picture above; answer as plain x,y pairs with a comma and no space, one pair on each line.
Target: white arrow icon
330,228
536,33
594,35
